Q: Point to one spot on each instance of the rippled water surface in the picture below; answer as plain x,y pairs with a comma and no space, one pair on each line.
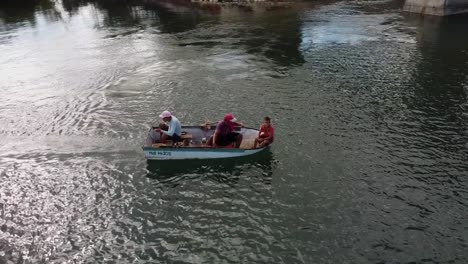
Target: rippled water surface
369,163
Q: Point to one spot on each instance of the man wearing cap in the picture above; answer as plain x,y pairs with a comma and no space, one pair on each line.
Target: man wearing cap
170,129
224,133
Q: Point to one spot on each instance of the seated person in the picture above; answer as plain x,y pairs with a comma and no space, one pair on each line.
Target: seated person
171,129
224,134
265,134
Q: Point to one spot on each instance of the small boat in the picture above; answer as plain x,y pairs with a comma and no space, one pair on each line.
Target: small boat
193,145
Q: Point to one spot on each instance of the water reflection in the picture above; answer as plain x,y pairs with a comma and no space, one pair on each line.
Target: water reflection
275,36
23,10
173,20
227,171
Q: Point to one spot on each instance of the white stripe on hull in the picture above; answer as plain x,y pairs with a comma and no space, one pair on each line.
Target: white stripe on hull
170,154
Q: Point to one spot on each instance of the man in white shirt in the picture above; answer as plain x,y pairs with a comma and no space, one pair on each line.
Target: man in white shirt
171,129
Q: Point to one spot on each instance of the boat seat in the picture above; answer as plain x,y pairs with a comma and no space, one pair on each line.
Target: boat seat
169,143
185,138
247,143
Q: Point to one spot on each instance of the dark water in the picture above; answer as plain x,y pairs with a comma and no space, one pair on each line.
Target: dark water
369,164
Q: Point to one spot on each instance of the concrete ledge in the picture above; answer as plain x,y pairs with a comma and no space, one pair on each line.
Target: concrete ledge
436,7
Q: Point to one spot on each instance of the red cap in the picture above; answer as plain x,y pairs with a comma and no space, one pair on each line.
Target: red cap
229,117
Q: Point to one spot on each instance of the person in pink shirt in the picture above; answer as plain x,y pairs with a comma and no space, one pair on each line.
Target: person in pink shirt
266,134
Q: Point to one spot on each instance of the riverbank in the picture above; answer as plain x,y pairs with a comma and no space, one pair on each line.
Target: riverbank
217,6
209,5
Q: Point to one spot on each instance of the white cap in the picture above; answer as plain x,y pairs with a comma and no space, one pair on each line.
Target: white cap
165,114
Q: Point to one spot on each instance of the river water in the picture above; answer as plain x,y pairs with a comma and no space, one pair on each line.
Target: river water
369,164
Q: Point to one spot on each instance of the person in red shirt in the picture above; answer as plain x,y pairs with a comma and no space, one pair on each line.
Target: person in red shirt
265,134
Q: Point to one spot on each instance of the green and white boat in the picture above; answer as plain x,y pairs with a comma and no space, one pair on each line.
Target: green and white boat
193,145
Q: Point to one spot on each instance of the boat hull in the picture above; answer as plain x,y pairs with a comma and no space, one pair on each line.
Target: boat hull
196,153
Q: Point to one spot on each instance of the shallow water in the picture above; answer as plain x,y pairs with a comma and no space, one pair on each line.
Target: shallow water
369,107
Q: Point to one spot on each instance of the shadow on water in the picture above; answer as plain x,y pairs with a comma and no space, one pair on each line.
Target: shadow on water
174,21
444,48
278,38
228,171
440,74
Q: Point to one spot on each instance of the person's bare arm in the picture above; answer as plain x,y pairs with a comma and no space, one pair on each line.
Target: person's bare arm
238,124
258,138
170,132
215,136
